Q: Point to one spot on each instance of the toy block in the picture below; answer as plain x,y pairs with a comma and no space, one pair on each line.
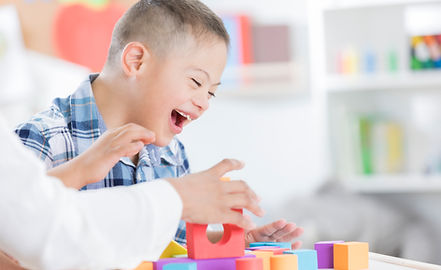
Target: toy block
284,262
273,244
325,253
261,248
180,266
173,249
202,264
249,264
275,251
180,256
145,266
265,256
232,243
307,258
351,256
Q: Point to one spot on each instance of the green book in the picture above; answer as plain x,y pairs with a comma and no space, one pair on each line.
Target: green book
365,125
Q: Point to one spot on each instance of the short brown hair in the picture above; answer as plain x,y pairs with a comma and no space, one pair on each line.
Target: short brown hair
161,24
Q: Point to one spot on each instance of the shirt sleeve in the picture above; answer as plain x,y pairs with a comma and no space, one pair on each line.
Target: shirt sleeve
48,226
32,137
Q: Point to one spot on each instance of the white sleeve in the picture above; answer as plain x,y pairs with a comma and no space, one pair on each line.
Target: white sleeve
45,225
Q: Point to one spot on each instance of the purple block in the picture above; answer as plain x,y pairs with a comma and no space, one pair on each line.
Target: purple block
202,264
325,253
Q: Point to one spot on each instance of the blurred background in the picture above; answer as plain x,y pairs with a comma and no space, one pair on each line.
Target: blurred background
334,105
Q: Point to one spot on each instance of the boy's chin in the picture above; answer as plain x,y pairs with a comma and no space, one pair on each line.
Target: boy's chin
161,142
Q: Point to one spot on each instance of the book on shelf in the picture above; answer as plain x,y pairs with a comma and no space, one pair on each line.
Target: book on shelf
378,145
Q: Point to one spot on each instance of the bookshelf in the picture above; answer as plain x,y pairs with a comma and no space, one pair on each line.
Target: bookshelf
371,98
267,57
285,79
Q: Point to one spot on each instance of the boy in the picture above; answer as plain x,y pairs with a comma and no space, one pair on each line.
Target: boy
165,62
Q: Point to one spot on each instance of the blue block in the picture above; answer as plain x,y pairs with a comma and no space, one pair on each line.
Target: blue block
272,244
180,266
307,258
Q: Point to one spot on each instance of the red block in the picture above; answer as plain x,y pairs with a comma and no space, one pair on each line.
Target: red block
232,243
249,264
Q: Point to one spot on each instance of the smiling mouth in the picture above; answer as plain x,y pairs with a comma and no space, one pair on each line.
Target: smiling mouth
180,118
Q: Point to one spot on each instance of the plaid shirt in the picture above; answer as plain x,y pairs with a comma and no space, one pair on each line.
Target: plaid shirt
72,124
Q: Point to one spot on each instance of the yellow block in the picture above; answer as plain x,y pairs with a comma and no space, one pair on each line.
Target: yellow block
284,262
351,256
265,257
145,266
173,249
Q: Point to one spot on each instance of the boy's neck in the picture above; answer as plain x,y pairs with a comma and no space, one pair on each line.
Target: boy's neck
112,102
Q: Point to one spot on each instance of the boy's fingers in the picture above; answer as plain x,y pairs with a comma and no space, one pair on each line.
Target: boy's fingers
129,149
296,245
271,228
225,166
136,134
294,234
282,232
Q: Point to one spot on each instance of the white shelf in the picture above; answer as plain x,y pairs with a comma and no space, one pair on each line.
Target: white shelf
393,183
418,80
263,79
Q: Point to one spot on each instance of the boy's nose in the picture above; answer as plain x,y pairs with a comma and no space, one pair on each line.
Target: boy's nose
200,100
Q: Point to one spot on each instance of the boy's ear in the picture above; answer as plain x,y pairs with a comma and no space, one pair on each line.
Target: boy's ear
133,56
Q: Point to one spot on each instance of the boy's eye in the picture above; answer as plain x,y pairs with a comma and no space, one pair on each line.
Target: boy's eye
211,94
196,82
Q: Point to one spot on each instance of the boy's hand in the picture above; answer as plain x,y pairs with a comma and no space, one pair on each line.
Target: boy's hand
95,163
278,231
207,200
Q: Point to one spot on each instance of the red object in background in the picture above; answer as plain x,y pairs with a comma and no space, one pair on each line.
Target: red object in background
246,40
82,35
232,243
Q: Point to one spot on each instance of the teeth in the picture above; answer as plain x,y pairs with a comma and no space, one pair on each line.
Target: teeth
185,115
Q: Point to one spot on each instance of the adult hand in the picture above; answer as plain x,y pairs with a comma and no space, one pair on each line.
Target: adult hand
207,200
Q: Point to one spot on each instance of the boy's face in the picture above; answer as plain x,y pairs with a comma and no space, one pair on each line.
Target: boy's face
175,89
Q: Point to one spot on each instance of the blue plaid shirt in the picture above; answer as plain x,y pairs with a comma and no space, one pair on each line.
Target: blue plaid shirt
72,124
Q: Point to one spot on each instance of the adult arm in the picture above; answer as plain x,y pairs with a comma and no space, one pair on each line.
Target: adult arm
48,226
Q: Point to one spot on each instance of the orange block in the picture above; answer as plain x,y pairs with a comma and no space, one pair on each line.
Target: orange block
145,266
284,262
249,264
265,256
351,256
